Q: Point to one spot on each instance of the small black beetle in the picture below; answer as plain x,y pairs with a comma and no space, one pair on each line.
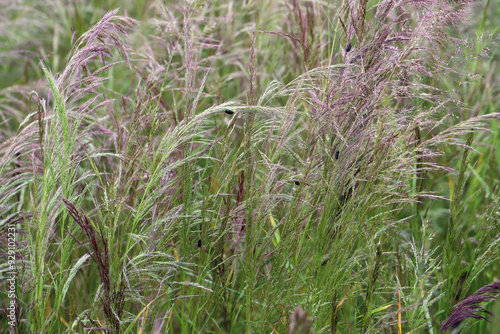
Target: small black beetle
297,183
199,243
229,112
348,48
337,155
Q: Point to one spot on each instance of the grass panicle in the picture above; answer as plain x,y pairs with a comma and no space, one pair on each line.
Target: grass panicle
252,167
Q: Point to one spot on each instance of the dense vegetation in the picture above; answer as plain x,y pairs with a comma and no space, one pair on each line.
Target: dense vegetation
252,166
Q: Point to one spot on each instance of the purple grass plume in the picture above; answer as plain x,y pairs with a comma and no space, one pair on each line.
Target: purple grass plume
300,321
469,307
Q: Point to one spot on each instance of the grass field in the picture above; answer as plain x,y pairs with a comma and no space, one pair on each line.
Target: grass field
249,166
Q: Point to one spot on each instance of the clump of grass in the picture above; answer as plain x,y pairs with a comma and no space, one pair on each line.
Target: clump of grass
221,168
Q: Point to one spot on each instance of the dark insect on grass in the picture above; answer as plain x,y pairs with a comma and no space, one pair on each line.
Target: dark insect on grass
199,243
229,112
297,183
348,48
337,155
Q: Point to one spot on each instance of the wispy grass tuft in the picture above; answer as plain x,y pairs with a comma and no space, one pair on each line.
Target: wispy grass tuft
264,166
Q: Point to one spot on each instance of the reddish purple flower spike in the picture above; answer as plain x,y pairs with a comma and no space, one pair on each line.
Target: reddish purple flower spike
469,307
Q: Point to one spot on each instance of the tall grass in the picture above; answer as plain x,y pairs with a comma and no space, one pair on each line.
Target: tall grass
250,167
